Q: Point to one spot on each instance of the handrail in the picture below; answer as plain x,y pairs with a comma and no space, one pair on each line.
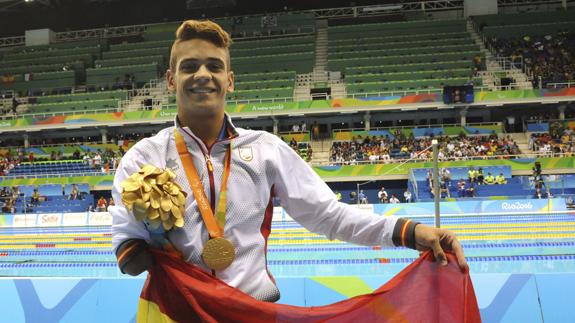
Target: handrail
53,114
559,85
466,158
28,176
420,126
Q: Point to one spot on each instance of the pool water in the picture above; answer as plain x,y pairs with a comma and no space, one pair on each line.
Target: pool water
525,243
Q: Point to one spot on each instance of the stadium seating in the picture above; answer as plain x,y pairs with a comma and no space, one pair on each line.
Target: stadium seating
402,56
51,168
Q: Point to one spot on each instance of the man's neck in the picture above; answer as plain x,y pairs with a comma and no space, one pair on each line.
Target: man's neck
205,128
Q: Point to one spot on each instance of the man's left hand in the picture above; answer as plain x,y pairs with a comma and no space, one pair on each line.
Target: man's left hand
438,240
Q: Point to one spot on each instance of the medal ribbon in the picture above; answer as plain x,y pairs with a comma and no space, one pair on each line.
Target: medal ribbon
215,225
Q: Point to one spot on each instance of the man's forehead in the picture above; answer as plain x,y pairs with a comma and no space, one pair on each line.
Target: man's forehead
199,49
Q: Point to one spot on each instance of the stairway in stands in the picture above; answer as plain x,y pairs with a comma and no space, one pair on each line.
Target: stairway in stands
492,76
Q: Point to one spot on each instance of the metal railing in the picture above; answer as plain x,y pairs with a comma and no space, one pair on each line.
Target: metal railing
560,85
53,114
450,159
53,175
441,125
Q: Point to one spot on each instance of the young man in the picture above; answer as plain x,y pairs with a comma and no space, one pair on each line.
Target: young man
259,167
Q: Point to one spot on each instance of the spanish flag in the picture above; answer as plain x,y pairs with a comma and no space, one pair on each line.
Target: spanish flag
425,291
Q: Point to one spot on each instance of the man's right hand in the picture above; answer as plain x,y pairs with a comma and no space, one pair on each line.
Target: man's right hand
134,257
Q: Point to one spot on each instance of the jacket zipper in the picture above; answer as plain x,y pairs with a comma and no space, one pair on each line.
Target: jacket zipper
211,177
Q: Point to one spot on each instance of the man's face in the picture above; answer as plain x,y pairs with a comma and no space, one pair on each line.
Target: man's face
201,77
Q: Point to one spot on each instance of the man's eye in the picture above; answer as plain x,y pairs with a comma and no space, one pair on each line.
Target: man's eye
188,67
216,67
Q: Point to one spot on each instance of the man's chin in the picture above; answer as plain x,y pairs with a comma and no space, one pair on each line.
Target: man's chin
201,110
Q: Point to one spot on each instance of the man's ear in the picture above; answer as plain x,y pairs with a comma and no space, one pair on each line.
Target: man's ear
231,78
170,80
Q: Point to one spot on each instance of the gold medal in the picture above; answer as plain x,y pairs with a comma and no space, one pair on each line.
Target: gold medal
218,253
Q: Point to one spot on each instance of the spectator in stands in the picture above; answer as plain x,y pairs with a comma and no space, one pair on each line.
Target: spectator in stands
446,175
5,192
471,190
111,202
15,193
352,197
407,196
549,57
461,189
35,199
480,177
309,153
500,179
472,174
338,195
86,160
97,161
489,179
101,206
8,206
382,195
74,195
295,127
315,131
293,144
394,199
362,197
444,188
31,158
430,178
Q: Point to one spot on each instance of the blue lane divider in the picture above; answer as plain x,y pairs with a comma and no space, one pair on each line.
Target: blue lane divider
465,246
540,244
409,260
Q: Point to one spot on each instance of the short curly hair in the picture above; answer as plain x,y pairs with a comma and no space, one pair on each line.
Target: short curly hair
201,29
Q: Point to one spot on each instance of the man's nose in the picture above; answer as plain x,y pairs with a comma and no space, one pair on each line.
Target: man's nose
202,73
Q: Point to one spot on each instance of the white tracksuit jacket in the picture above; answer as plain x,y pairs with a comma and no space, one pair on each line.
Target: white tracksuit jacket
262,166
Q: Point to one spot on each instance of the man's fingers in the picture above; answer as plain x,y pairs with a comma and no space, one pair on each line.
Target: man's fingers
458,250
438,252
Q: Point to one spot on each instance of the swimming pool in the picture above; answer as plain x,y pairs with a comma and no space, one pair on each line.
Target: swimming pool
526,243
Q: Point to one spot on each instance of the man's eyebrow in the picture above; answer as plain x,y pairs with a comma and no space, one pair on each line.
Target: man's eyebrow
195,60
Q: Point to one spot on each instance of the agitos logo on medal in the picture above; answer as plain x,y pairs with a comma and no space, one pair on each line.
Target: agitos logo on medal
246,153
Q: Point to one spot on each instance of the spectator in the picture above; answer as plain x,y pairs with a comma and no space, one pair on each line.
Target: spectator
8,206
480,177
489,179
338,195
407,196
382,195
352,197
5,192
101,205
362,197
446,174
444,188
74,195
461,189
500,179
471,190
471,174
35,199
31,158
394,199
